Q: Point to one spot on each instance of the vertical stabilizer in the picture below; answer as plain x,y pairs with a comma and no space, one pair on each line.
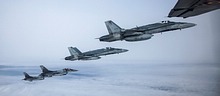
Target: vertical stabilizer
112,27
44,69
26,75
74,51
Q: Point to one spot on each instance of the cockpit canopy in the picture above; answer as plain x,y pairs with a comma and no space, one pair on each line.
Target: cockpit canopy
108,48
164,22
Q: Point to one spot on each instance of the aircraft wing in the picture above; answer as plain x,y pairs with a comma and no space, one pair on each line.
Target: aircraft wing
188,8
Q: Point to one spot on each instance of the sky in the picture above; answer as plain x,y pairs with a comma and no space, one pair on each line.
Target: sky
34,32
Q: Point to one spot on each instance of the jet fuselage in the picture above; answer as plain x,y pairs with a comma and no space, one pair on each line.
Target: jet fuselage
144,32
48,73
95,54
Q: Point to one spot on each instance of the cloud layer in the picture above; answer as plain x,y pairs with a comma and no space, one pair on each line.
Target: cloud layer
116,80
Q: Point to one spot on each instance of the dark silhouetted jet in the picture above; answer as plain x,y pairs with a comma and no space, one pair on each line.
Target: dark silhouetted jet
188,8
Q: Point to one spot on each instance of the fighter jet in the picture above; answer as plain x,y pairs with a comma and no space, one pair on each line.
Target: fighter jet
188,8
92,55
145,32
32,78
48,73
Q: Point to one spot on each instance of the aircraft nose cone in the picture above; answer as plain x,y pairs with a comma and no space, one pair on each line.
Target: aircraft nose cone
73,70
124,50
190,25
70,70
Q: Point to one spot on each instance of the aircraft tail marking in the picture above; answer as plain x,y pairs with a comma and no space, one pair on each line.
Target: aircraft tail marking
112,27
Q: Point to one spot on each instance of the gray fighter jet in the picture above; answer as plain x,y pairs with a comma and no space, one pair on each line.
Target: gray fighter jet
32,78
140,33
48,73
92,55
188,8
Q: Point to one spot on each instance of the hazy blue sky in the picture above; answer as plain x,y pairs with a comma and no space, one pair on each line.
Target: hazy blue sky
39,31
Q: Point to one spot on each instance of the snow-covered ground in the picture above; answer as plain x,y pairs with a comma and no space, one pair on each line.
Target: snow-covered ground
115,80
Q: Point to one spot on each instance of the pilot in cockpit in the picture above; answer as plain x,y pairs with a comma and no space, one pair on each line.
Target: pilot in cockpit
165,22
